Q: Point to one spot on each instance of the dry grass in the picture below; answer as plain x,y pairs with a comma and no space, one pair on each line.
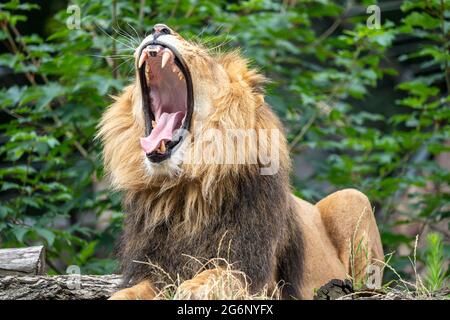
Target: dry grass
229,284
401,289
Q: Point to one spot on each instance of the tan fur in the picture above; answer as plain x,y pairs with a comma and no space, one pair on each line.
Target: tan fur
199,286
142,291
333,229
330,228
241,106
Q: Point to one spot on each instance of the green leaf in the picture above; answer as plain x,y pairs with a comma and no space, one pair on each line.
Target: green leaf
50,92
20,232
422,19
87,251
48,235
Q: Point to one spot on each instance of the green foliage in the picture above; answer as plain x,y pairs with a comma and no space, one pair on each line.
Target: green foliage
327,69
435,262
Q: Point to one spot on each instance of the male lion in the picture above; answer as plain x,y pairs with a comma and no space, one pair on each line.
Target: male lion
220,208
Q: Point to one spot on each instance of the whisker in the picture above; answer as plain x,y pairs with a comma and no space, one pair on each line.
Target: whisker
205,41
122,32
126,36
136,40
220,45
203,30
132,41
107,34
131,70
117,57
116,68
135,31
125,49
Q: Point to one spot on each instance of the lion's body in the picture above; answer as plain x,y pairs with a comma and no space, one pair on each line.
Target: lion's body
341,239
229,211
314,242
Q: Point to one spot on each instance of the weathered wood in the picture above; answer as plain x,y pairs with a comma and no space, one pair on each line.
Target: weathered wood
22,261
66,287
21,277
75,287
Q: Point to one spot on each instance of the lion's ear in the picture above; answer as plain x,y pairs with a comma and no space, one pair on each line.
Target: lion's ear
238,72
243,95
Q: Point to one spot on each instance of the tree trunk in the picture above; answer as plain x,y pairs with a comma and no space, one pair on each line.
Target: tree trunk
66,287
22,261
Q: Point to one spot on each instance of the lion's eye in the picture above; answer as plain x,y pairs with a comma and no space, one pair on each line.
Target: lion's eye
160,29
165,30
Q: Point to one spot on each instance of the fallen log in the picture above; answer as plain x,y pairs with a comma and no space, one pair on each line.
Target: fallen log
22,277
76,287
64,287
22,261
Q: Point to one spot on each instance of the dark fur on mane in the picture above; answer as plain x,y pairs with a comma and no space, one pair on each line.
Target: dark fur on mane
256,235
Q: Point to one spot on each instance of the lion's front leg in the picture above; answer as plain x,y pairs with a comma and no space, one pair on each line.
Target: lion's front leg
142,291
348,217
201,287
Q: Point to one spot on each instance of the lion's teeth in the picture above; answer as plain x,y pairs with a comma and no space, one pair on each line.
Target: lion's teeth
180,76
174,69
162,147
165,58
153,123
144,56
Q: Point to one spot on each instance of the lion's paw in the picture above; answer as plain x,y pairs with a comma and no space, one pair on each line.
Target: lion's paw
142,291
198,288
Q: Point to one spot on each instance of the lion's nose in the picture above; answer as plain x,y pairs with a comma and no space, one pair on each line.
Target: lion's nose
160,29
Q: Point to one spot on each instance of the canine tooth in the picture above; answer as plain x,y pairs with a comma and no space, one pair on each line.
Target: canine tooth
162,147
144,56
153,123
165,57
180,76
174,69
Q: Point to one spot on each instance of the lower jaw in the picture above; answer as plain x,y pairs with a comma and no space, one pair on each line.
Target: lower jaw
159,157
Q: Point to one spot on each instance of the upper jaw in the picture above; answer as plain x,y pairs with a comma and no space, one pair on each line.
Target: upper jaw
169,57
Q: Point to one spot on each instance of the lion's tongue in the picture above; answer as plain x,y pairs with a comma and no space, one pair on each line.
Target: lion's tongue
166,125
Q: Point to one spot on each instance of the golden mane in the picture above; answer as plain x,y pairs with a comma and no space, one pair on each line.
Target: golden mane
197,191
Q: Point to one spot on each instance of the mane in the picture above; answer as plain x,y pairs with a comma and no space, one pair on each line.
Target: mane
198,192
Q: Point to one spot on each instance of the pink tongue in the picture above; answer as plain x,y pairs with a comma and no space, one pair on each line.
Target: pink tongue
164,129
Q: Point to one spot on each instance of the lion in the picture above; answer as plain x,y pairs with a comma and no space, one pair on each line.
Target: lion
220,207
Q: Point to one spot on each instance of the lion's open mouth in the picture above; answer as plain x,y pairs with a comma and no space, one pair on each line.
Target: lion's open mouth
167,99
